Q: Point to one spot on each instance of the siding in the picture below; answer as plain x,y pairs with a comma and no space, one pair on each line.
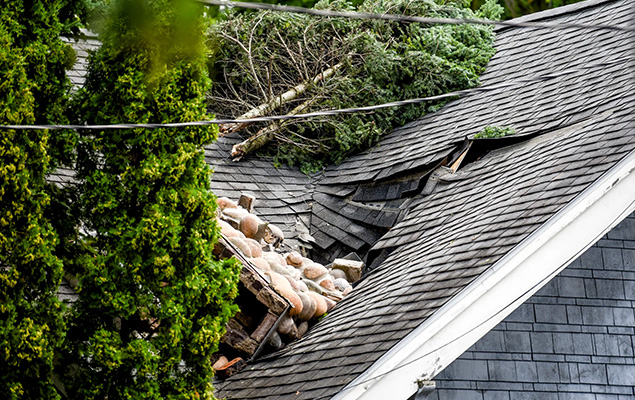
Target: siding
573,340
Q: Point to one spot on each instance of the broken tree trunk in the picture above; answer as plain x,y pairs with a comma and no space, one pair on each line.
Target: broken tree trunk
277,101
263,136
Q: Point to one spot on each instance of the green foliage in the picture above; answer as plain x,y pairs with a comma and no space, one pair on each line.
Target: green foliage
492,132
33,89
384,61
154,301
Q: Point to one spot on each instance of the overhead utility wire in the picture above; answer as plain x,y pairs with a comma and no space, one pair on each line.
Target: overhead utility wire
518,298
423,20
271,118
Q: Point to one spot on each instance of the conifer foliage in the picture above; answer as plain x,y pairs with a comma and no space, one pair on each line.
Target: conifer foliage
153,299
33,89
260,55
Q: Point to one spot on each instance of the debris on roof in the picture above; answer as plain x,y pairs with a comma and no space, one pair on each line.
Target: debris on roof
284,194
570,132
281,293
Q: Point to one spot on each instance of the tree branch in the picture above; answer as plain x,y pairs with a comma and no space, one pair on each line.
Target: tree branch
263,136
277,101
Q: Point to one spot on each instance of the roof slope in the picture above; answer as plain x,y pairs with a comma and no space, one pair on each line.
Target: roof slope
397,164
584,123
522,53
88,43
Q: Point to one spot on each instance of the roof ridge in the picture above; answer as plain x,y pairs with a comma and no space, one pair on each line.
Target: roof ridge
556,12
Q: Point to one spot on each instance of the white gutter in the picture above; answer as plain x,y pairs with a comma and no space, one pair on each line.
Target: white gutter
506,285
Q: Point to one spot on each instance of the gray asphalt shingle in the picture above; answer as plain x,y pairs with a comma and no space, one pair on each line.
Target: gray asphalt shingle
583,125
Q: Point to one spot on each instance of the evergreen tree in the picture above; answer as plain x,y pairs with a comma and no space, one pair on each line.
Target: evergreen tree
153,299
33,90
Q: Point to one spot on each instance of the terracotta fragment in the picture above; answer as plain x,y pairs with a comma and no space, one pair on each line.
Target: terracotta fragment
231,368
282,285
287,327
309,306
302,328
275,267
294,258
312,286
341,284
273,235
314,271
220,363
273,256
326,282
302,286
330,304
227,230
224,202
241,245
261,264
256,250
249,225
293,283
338,274
235,213
320,302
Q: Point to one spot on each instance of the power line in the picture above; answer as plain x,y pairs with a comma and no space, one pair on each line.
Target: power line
272,118
423,20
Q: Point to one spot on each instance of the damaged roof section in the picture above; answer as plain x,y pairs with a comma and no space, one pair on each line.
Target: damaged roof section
352,218
529,108
447,241
571,130
374,190
283,194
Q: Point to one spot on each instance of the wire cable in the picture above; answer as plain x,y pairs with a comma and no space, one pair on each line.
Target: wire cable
272,118
411,19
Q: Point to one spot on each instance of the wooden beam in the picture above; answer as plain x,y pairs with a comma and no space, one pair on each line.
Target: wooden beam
265,326
236,337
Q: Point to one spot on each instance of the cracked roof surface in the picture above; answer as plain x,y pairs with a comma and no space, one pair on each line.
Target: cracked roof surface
283,194
580,126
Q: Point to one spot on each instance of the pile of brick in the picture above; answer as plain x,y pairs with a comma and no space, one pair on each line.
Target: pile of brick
310,288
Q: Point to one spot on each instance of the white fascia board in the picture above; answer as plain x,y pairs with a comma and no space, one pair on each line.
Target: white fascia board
506,285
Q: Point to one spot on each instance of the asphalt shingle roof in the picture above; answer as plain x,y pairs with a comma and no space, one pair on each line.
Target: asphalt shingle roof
401,162
283,195
521,54
580,126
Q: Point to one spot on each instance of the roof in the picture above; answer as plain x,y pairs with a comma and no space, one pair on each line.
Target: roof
575,140
83,46
409,153
283,194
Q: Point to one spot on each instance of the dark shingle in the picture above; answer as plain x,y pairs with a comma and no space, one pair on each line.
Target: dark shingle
465,225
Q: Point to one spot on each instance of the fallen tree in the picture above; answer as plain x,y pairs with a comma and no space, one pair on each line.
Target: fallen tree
260,59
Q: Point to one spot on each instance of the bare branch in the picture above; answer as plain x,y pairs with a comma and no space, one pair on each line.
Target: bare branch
250,57
264,136
290,53
279,100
